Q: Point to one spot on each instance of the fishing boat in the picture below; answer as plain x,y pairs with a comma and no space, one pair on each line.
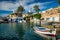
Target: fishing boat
44,31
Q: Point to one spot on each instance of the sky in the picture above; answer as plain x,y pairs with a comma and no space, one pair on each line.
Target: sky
9,6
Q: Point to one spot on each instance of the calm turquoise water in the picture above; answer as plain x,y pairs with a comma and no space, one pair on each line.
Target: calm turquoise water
19,31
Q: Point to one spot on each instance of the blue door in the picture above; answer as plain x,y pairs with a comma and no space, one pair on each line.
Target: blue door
16,20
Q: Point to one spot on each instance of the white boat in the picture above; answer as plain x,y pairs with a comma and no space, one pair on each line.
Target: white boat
46,36
21,20
45,31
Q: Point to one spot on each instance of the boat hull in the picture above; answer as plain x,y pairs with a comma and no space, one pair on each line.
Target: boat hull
53,33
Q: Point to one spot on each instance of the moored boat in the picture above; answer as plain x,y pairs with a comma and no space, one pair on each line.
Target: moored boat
45,31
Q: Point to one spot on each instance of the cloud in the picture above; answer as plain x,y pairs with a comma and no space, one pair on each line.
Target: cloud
41,6
8,5
4,15
5,5
13,6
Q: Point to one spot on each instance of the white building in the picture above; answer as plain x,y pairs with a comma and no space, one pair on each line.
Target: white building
52,15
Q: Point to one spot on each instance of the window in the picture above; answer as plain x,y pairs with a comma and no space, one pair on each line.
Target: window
59,17
58,11
47,18
42,18
53,19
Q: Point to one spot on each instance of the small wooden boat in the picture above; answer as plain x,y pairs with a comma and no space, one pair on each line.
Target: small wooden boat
44,31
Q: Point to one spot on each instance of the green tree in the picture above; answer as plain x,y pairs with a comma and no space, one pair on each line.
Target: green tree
58,1
20,9
36,8
58,5
38,15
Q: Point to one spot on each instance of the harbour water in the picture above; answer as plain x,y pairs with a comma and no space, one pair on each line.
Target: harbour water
20,31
